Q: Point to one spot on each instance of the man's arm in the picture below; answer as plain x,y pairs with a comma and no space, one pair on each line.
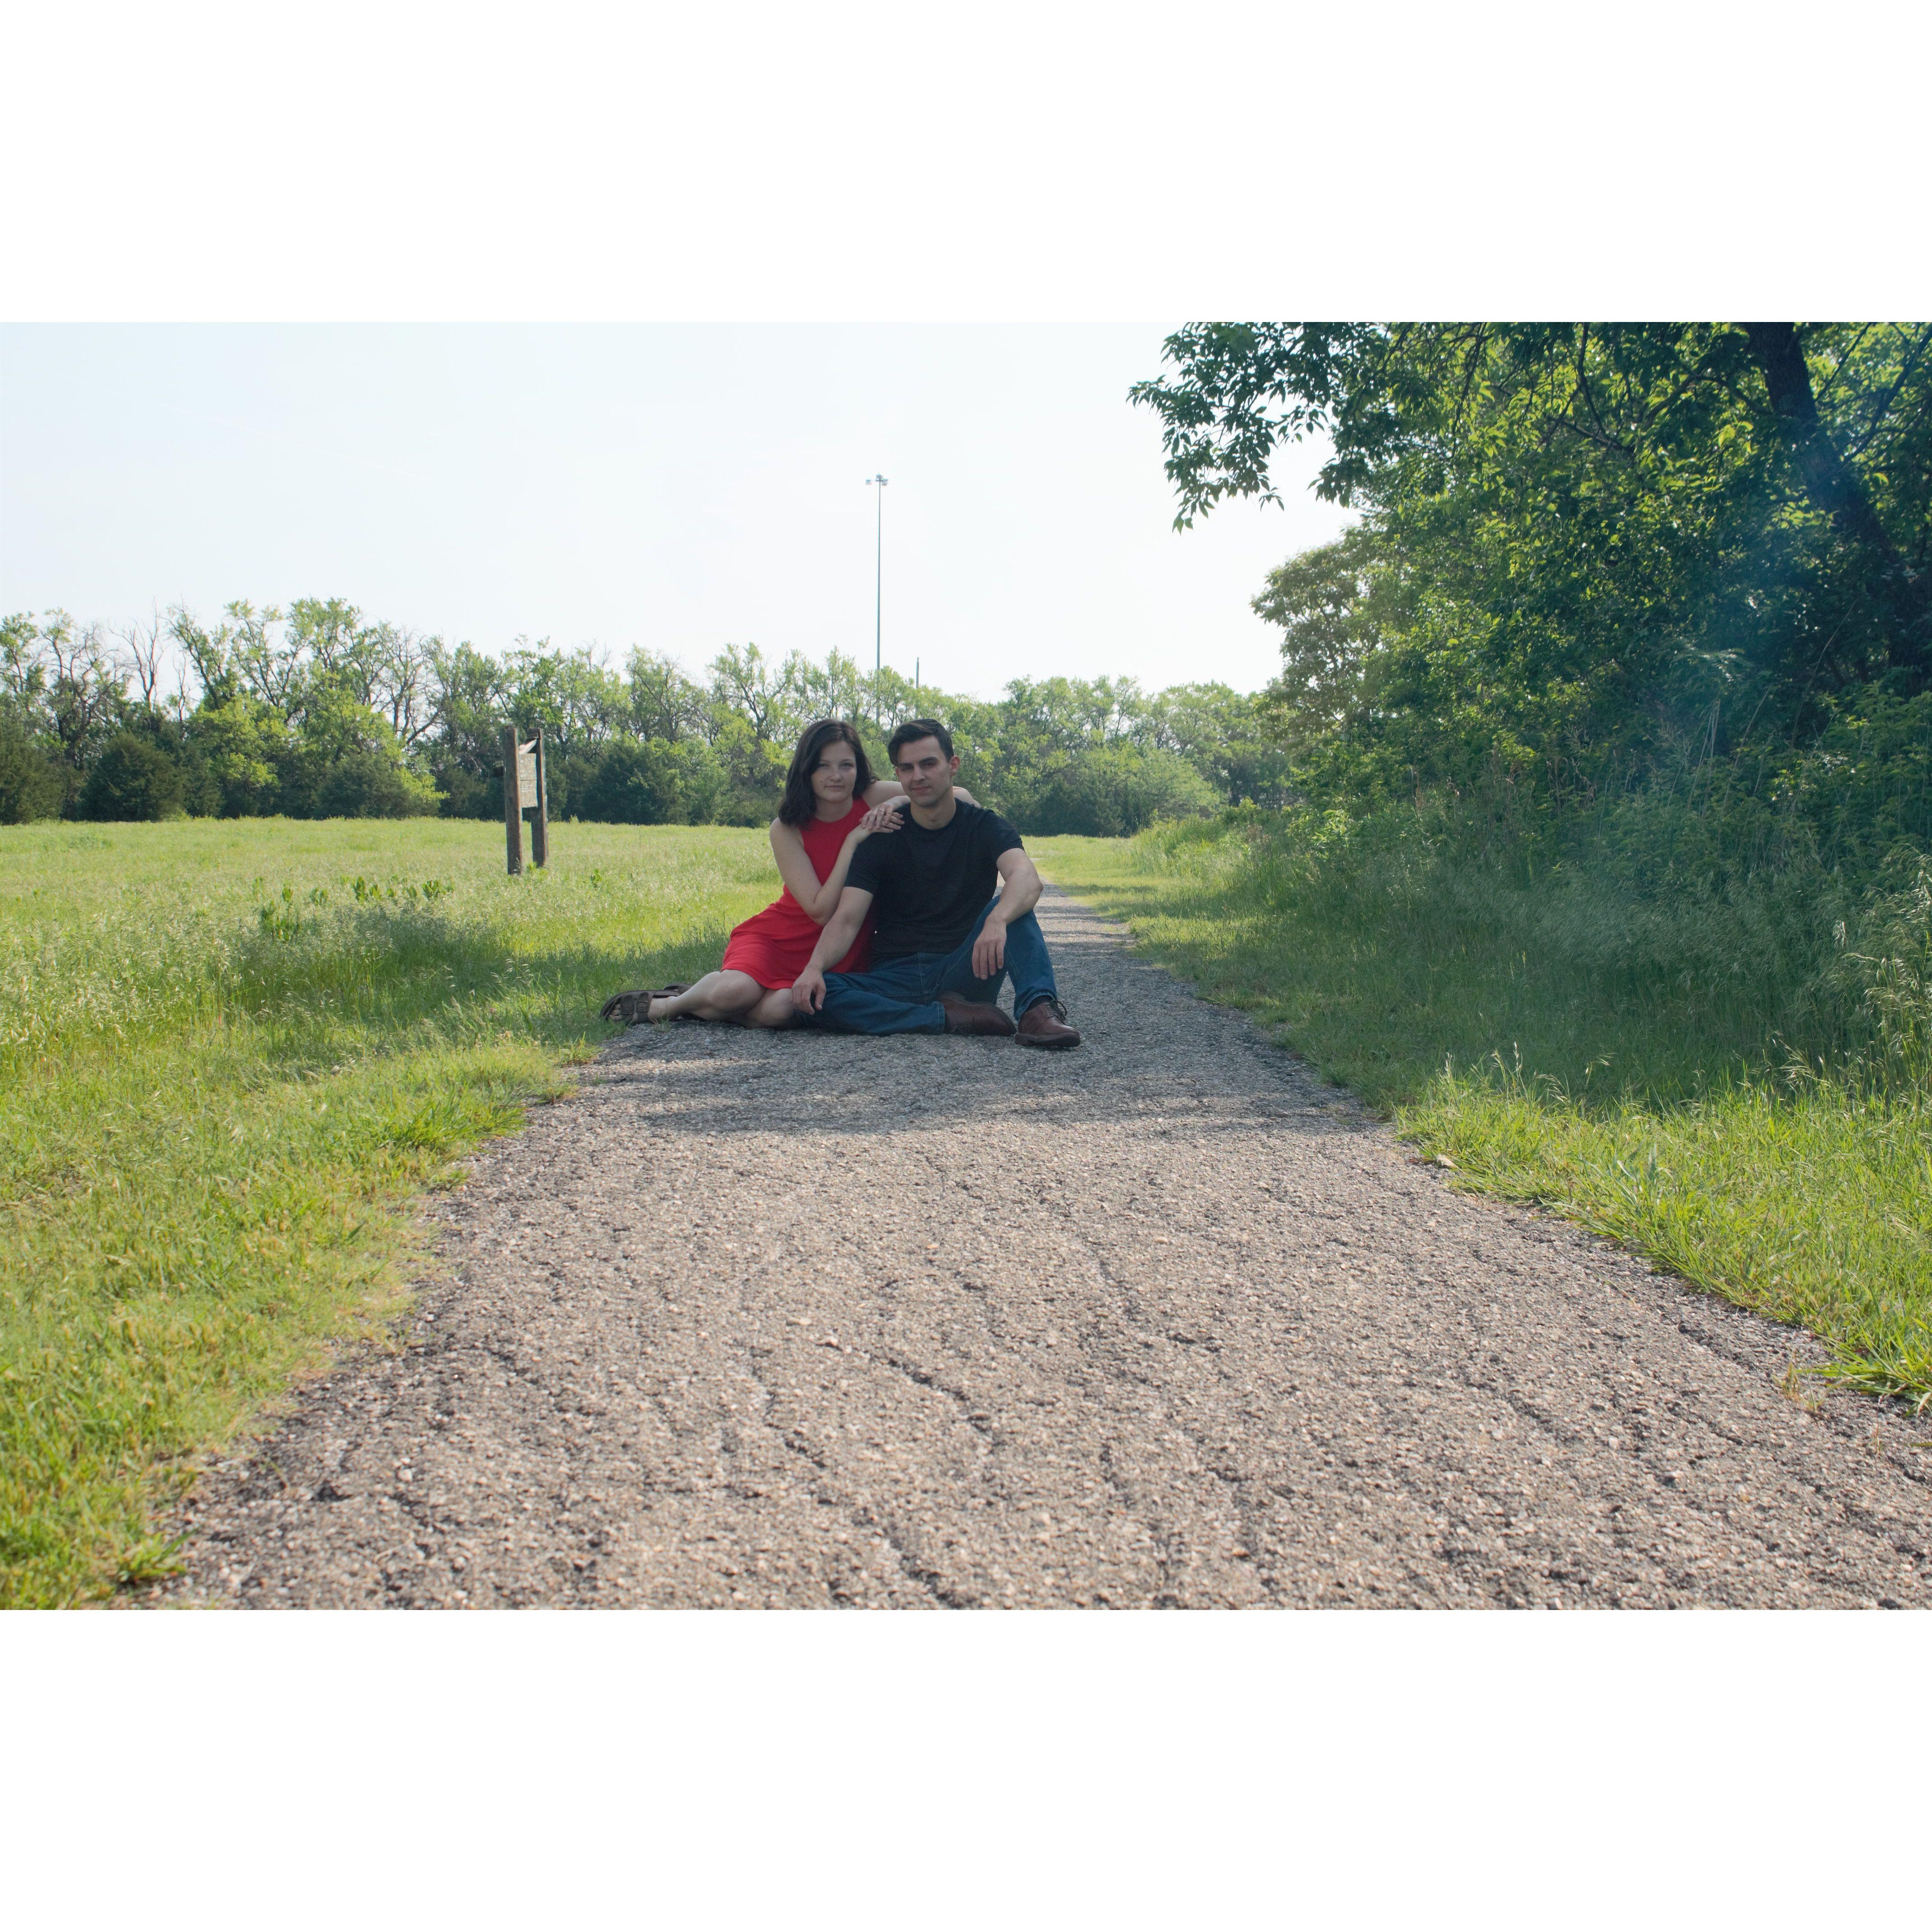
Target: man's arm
808,990
1019,891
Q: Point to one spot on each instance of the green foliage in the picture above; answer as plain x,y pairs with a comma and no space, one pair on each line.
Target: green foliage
369,782
1333,606
1105,757
1586,549
1232,739
317,713
246,745
1108,792
753,767
31,785
655,781
133,779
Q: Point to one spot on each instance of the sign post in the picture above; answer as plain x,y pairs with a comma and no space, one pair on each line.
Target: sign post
524,790
540,824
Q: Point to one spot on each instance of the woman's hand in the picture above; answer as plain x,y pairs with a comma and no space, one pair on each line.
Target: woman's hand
881,818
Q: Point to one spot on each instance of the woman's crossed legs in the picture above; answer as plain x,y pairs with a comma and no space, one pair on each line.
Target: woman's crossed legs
734,997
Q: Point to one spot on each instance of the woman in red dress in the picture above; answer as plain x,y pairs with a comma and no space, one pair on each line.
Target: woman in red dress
832,804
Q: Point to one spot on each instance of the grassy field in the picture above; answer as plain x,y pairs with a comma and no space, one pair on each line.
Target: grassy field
228,1053
1506,1029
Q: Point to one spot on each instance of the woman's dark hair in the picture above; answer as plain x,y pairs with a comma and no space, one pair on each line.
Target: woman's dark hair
800,806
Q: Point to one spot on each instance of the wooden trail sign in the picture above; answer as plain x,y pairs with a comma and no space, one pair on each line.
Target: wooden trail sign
523,791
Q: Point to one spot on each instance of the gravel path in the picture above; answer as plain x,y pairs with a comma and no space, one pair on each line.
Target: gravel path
794,1319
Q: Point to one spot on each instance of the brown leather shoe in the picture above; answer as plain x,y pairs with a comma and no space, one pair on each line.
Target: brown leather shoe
1044,1024
974,1016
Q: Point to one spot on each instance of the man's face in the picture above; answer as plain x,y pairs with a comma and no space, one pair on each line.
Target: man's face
925,770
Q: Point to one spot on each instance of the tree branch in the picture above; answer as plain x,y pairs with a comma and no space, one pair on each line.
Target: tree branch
1882,408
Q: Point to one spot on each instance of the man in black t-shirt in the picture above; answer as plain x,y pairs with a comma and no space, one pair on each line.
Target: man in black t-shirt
943,939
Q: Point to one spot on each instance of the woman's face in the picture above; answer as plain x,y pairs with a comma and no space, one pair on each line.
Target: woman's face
833,777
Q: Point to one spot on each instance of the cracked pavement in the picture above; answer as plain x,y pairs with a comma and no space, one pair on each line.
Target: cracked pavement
795,1319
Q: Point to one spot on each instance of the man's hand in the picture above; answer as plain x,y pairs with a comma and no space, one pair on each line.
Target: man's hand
808,990
989,949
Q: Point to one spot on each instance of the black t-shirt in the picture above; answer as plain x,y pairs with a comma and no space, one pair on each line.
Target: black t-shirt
929,887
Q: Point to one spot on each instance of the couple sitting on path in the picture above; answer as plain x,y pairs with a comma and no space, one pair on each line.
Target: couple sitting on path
888,922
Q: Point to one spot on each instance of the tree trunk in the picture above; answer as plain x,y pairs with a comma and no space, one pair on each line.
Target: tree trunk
1833,487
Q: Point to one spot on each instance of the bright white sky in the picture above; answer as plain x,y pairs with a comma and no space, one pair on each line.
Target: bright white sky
675,486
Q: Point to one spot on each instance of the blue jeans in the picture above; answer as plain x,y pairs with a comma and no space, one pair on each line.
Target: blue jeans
902,995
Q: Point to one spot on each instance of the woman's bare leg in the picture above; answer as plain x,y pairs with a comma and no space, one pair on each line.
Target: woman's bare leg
717,996
773,1010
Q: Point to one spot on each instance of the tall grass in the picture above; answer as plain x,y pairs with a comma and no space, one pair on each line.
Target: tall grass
1732,1074
227,1052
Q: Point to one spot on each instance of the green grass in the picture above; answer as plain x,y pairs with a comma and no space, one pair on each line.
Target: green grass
228,1053
1723,1107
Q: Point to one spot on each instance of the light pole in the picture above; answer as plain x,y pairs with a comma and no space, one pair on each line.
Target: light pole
878,594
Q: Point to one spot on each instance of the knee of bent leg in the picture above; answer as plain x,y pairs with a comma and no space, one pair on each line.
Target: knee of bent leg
735,992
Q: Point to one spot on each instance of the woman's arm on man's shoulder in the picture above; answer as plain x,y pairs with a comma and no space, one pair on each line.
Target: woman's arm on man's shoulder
795,868
820,897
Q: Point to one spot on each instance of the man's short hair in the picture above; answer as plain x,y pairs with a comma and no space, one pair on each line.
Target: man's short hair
914,729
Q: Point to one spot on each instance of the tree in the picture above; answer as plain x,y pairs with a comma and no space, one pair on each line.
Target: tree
316,711
664,703
23,675
1230,738
466,748
269,665
1904,596
372,783
744,682
656,782
141,651
1331,604
31,785
246,746
838,690
133,779
1673,475
86,692
1114,790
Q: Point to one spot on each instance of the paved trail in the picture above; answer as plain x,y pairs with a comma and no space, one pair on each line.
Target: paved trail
790,1319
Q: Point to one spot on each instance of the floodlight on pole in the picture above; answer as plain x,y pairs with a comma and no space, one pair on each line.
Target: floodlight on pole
878,594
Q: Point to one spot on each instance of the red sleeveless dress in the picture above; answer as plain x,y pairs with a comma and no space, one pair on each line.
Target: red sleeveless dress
773,945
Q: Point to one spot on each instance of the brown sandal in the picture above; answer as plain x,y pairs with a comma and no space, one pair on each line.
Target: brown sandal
634,1008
